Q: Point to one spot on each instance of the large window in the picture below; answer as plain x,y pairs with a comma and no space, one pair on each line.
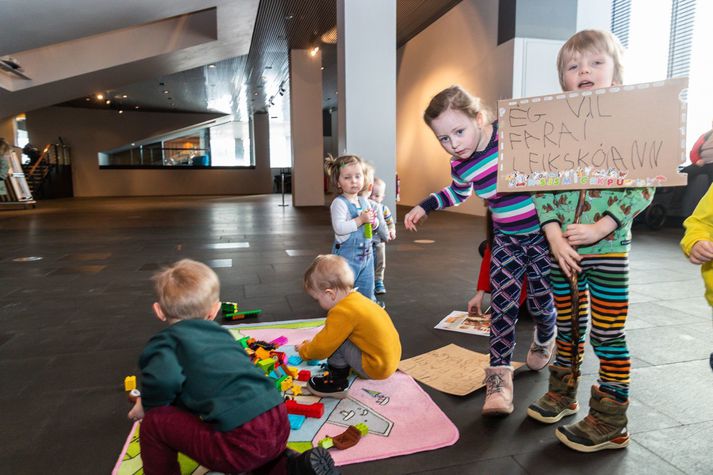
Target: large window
222,143
670,38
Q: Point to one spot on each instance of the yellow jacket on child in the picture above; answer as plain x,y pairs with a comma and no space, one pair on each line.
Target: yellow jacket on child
699,227
365,324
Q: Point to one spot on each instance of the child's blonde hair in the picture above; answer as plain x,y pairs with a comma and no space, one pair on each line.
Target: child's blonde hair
187,290
592,41
456,98
333,166
369,172
329,271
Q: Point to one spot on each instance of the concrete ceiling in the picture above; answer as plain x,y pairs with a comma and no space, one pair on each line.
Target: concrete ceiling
227,56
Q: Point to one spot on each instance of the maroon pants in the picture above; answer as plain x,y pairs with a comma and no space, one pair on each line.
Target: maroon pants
258,444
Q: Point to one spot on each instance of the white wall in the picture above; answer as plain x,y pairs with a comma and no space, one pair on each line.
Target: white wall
459,48
594,14
89,132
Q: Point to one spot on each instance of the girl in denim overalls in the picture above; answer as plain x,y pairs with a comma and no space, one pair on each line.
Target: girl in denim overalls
351,214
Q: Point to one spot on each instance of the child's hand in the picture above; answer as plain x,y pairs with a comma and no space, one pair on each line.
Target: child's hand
300,345
565,255
365,216
475,304
392,235
701,252
137,412
413,217
586,234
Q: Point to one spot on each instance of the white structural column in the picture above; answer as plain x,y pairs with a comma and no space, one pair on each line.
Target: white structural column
261,144
306,126
366,31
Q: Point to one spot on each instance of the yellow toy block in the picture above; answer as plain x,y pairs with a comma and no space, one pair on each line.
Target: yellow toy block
286,384
296,389
129,383
293,371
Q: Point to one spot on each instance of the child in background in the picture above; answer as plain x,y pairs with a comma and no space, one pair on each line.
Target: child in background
465,131
357,333
377,196
201,395
697,243
350,214
598,250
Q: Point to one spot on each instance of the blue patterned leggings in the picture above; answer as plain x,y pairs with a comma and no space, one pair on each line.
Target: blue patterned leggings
514,256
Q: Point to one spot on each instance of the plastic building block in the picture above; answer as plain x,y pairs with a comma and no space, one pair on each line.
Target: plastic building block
278,383
304,375
296,421
129,383
362,428
242,315
285,383
262,353
294,360
134,395
315,410
348,438
280,356
266,365
326,443
296,389
244,341
279,341
314,362
292,371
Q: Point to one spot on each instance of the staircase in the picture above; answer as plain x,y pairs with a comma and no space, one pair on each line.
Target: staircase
50,175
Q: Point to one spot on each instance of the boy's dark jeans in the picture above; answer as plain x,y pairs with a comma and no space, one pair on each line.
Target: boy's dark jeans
258,444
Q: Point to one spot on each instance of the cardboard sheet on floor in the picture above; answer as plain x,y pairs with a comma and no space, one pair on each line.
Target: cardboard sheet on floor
445,369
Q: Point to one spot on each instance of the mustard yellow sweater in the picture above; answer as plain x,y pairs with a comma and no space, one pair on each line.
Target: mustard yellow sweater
699,227
365,324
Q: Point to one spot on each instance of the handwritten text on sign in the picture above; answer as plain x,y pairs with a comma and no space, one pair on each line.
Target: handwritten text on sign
618,137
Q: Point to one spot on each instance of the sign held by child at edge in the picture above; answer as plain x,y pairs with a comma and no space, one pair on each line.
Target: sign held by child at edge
615,137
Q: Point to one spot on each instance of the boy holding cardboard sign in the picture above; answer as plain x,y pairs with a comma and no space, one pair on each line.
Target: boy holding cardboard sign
596,248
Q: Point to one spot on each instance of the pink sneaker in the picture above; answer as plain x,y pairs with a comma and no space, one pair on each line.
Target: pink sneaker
540,354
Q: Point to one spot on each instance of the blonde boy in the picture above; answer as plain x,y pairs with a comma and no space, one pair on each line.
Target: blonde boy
380,240
358,334
597,249
200,393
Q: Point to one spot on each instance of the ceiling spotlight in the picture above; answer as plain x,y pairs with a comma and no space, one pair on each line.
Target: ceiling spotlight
107,102
124,96
88,99
314,51
100,97
121,112
136,107
165,91
211,65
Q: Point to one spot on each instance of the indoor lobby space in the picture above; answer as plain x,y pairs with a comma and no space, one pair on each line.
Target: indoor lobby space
76,301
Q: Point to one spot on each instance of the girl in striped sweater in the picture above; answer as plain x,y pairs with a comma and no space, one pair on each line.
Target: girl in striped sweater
465,131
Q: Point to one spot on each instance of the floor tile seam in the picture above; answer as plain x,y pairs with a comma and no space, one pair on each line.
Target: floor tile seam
441,467
659,365
679,426
667,462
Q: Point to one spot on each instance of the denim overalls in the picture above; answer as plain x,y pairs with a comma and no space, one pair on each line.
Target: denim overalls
357,251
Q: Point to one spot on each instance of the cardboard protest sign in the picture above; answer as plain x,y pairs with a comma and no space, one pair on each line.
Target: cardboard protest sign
616,137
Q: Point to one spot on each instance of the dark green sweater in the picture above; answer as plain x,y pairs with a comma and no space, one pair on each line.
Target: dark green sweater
198,366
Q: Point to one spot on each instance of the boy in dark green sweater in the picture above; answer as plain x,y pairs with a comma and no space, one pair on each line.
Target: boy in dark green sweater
202,396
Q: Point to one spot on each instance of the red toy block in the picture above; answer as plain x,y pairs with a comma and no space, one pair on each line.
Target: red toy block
304,375
315,410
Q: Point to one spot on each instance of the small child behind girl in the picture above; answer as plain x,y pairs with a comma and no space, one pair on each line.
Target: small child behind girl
377,196
464,130
357,334
351,213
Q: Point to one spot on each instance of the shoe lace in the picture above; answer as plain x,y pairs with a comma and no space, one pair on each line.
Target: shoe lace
494,384
537,348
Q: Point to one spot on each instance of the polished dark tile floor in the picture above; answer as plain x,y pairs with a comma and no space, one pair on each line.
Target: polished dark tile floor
73,323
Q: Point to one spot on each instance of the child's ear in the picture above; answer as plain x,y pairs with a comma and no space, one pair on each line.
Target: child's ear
158,311
213,311
331,293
